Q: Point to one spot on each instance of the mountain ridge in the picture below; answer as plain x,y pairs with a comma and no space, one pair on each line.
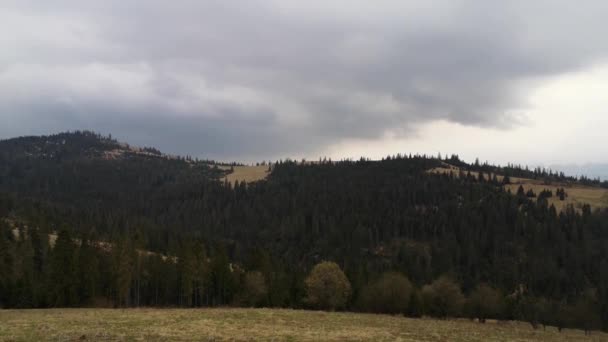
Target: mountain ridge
84,143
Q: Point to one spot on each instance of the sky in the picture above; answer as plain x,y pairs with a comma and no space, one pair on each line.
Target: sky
505,81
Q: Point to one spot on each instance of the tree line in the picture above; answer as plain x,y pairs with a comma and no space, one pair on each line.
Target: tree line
82,273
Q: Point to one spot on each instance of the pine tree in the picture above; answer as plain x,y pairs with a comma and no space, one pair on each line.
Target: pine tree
123,267
201,272
221,282
186,267
416,307
520,191
88,272
63,281
6,267
39,245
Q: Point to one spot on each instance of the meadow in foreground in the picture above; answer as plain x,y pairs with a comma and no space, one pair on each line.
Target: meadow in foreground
258,324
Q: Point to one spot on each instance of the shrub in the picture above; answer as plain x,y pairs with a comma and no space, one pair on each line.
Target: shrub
390,294
327,287
443,298
255,290
485,302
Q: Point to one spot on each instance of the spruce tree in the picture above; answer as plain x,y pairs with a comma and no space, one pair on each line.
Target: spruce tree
63,280
6,266
88,272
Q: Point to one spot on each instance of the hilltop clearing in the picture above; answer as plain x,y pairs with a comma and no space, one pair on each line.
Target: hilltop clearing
245,173
577,194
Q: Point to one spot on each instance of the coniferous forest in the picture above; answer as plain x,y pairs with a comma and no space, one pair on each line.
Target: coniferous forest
88,221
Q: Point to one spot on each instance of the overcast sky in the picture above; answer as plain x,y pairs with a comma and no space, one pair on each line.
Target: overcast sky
522,81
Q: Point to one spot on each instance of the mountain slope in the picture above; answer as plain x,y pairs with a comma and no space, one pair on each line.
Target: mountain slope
370,217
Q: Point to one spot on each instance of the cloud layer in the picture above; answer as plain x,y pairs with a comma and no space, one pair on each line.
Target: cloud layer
266,79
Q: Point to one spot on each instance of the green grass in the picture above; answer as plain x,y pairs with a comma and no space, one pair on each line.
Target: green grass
257,325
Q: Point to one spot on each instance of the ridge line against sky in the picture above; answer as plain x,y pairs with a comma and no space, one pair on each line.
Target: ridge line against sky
589,170
516,81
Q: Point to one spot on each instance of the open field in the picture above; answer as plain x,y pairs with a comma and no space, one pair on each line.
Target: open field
255,325
246,173
578,195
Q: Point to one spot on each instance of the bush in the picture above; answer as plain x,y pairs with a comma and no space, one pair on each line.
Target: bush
390,294
535,311
255,290
583,313
485,302
443,298
416,307
327,287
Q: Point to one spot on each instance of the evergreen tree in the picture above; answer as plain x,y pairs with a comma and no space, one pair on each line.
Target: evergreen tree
221,281
63,280
87,272
123,268
416,305
6,266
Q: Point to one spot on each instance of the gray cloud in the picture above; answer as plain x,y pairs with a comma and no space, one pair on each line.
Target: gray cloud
263,79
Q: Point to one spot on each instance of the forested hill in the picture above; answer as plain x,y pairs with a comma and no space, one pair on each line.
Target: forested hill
84,170
253,244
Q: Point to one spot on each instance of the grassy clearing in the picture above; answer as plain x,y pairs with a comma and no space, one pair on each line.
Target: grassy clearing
578,195
256,325
456,171
246,173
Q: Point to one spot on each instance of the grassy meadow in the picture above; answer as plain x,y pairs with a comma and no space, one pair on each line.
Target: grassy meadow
246,173
578,194
227,324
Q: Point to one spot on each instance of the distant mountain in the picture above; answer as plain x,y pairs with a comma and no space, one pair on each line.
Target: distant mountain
85,168
72,145
77,144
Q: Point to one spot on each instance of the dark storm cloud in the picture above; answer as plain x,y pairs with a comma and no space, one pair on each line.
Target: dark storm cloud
261,79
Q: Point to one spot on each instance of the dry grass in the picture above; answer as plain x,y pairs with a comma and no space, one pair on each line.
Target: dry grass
246,173
578,195
257,325
456,171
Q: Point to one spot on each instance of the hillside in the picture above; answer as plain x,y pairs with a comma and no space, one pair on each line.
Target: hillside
386,222
71,171
578,194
